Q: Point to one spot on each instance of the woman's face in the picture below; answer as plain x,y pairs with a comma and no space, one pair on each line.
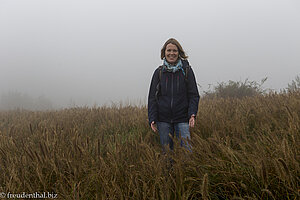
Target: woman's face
171,53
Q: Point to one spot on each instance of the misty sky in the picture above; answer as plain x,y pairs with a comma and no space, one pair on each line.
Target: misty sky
97,52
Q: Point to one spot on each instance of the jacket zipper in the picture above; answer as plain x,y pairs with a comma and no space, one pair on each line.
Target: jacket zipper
172,97
177,83
167,84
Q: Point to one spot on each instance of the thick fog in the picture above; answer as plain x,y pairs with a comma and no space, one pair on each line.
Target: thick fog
94,52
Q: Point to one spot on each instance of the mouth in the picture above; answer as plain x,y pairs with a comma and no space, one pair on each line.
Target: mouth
172,57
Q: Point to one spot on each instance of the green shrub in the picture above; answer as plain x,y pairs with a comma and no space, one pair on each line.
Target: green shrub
236,89
294,85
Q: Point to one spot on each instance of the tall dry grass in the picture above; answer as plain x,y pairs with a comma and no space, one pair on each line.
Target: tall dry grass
241,149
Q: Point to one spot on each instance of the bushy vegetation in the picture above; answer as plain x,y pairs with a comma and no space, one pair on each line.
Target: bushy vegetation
294,85
17,100
236,89
244,148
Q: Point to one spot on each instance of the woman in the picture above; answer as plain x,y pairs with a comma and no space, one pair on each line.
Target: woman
173,96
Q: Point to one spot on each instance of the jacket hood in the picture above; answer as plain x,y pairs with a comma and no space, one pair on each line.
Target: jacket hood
185,63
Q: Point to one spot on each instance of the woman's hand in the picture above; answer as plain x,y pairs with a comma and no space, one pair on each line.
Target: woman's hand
153,126
192,121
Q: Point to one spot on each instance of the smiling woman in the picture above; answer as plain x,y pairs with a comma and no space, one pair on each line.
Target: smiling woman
171,53
173,96
171,48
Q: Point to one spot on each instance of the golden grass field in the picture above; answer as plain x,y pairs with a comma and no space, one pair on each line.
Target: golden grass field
242,149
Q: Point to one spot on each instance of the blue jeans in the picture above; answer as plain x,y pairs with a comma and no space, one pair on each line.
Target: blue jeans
181,130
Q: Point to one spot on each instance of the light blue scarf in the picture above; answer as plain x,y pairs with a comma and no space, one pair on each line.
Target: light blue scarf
173,68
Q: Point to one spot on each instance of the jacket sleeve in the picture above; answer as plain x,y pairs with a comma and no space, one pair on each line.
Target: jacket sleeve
193,94
152,103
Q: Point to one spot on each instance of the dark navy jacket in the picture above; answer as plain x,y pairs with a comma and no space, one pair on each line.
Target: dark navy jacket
178,98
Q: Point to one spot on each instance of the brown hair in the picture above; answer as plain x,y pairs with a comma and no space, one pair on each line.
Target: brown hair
175,42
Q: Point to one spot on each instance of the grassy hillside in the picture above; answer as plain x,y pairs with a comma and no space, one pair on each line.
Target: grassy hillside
242,149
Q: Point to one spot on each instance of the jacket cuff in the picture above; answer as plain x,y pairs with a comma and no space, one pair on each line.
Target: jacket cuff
192,115
152,121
